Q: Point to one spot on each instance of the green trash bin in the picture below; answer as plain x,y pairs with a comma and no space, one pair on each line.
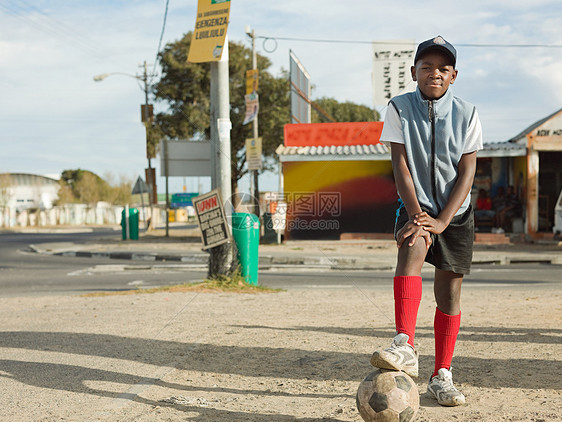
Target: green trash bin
123,225
133,224
246,234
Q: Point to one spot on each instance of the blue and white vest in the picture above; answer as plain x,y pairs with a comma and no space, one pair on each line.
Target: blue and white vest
434,137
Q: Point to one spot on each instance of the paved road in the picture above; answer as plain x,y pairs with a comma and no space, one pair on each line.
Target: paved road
512,276
25,273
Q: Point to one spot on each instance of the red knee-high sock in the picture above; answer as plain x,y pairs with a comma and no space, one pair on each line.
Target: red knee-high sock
407,297
446,329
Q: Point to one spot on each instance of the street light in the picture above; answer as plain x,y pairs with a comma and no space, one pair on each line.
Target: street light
146,119
99,78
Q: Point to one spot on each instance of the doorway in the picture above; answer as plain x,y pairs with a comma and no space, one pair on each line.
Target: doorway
550,184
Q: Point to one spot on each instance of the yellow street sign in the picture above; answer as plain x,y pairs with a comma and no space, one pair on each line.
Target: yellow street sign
207,42
252,81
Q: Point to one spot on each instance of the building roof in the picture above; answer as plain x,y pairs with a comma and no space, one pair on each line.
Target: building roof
26,179
503,149
380,152
338,153
534,126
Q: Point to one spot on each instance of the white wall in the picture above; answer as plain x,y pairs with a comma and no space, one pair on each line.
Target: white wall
71,214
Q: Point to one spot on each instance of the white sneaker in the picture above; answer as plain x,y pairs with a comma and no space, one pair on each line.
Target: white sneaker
442,388
400,356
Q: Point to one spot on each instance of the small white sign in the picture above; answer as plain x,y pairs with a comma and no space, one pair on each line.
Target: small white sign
212,219
224,126
391,70
253,153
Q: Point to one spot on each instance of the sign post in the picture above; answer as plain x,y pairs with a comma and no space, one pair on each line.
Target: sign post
252,110
141,188
209,43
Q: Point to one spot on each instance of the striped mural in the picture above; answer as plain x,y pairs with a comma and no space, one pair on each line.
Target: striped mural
328,198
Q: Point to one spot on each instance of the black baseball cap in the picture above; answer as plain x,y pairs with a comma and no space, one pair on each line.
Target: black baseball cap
437,43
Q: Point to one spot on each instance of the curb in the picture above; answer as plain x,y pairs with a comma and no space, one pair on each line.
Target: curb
135,256
551,259
267,262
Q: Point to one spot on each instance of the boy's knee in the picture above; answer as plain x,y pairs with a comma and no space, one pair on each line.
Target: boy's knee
411,258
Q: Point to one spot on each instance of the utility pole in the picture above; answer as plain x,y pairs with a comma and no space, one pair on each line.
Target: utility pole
147,119
166,169
254,188
220,260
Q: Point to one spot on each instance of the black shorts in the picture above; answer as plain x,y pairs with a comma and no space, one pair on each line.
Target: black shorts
452,249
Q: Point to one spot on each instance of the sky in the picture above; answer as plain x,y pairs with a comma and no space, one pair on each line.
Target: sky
53,116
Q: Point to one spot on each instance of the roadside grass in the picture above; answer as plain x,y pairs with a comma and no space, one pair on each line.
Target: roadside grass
221,284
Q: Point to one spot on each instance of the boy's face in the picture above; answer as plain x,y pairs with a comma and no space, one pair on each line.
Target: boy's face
434,73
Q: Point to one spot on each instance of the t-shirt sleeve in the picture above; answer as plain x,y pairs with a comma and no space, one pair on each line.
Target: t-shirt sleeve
473,140
392,128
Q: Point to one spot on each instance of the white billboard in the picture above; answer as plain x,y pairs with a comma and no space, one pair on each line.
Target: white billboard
391,76
186,158
300,91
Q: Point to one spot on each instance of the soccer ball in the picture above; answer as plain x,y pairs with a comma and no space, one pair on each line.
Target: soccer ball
387,396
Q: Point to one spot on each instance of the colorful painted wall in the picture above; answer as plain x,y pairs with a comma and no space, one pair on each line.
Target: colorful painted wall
328,198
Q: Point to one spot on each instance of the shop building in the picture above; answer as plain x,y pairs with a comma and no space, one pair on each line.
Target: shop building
337,177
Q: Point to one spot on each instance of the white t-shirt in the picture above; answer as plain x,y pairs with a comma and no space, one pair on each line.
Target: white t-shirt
392,131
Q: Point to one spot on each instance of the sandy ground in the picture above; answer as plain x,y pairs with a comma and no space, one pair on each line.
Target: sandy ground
289,356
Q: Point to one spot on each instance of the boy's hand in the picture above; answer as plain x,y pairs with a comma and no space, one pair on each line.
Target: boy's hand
413,232
433,225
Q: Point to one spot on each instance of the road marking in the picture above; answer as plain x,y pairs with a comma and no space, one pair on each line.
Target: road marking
130,269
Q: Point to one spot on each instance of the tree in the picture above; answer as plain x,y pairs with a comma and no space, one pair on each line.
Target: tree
185,89
119,192
89,189
83,186
343,112
65,195
86,186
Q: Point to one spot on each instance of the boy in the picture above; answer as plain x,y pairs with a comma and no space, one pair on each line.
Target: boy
433,138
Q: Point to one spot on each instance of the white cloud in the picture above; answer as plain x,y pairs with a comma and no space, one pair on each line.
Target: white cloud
53,116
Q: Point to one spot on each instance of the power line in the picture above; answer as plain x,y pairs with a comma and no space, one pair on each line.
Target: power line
512,45
42,22
331,41
161,36
57,23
